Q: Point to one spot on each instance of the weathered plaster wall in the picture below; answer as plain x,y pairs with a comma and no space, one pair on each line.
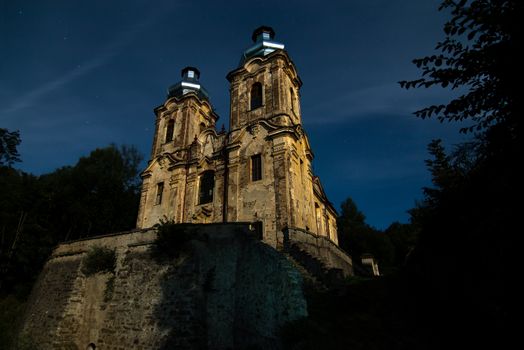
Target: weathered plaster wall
225,290
287,195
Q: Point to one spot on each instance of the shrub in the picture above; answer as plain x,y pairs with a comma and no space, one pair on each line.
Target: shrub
171,239
99,259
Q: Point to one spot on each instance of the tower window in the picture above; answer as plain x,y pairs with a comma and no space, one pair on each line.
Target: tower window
207,183
159,192
256,95
170,130
256,167
319,219
292,98
302,171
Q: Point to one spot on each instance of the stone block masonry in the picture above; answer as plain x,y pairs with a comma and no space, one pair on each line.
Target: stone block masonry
225,290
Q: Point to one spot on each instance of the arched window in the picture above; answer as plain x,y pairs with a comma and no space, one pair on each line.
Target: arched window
91,346
202,127
207,183
256,95
170,130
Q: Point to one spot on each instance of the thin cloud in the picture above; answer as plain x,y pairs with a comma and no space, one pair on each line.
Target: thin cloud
109,52
390,99
378,169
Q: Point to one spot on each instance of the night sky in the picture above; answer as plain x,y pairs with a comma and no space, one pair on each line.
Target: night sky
76,75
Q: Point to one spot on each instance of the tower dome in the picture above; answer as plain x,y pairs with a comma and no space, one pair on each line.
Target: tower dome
264,44
189,83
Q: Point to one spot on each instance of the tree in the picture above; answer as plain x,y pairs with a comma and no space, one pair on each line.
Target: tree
403,237
481,54
9,141
358,238
465,253
98,195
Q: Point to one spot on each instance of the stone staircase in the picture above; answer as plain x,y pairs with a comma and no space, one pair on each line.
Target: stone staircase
314,271
310,281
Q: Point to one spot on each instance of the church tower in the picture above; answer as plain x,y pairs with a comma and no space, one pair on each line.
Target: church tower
171,181
271,179
260,171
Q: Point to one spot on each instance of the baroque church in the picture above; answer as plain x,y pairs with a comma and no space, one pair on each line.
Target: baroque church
226,290
259,172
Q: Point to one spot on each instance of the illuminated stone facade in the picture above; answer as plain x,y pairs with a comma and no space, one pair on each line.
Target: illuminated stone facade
259,171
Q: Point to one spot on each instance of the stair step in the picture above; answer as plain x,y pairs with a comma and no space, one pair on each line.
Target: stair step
308,278
314,269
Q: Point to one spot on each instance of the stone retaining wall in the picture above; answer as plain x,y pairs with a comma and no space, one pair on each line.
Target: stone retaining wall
225,290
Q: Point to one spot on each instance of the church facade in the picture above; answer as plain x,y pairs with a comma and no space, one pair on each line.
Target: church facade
260,171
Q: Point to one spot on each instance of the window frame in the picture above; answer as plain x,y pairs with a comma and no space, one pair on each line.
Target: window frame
170,131
206,178
292,99
259,102
159,193
256,167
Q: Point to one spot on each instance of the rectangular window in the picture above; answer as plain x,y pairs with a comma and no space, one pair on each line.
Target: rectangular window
256,167
207,184
159,192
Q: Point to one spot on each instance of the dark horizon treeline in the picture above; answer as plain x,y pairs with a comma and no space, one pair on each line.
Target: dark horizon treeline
389,247
96,196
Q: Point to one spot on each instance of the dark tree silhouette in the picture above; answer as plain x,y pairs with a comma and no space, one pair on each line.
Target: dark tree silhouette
98,195
463,264
9,141
481,52
358,238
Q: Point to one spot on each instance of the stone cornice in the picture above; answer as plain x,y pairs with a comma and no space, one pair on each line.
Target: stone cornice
278,53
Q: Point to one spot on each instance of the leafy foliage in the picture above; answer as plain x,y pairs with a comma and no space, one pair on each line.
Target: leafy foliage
358,238
464,258
97,195
403,237
481,54
9,141
99,259
171,239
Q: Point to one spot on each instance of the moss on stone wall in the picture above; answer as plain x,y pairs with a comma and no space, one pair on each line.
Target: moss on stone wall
99,259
